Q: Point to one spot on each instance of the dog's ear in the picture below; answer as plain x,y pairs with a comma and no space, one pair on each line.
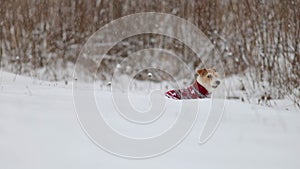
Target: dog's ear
202,72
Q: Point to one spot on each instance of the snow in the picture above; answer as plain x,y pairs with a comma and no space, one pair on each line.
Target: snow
39,129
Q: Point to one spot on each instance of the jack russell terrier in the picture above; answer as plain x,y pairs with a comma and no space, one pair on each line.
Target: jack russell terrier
207,80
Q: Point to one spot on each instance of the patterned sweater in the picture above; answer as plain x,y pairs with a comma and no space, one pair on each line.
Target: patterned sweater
195,91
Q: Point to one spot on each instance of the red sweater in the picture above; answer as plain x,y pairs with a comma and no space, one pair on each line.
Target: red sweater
195,91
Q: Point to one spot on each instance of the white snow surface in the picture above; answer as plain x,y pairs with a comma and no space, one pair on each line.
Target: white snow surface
39,129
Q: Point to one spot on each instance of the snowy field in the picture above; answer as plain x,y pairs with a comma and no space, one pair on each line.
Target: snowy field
39,130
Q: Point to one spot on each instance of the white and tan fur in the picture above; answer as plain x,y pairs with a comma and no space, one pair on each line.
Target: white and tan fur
209,79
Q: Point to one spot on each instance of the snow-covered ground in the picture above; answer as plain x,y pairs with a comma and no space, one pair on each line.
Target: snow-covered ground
39,130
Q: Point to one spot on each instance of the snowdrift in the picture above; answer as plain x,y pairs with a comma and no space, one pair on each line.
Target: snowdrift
39,129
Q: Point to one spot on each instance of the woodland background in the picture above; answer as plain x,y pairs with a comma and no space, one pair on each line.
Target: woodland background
258,40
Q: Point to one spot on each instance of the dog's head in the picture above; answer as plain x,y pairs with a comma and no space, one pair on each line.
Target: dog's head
208,78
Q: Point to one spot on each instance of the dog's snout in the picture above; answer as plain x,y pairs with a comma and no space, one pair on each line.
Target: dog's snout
218,82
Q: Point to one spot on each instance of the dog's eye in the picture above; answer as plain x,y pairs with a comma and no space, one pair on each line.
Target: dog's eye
209,76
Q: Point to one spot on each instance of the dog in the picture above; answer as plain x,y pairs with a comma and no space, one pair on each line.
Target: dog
206,82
